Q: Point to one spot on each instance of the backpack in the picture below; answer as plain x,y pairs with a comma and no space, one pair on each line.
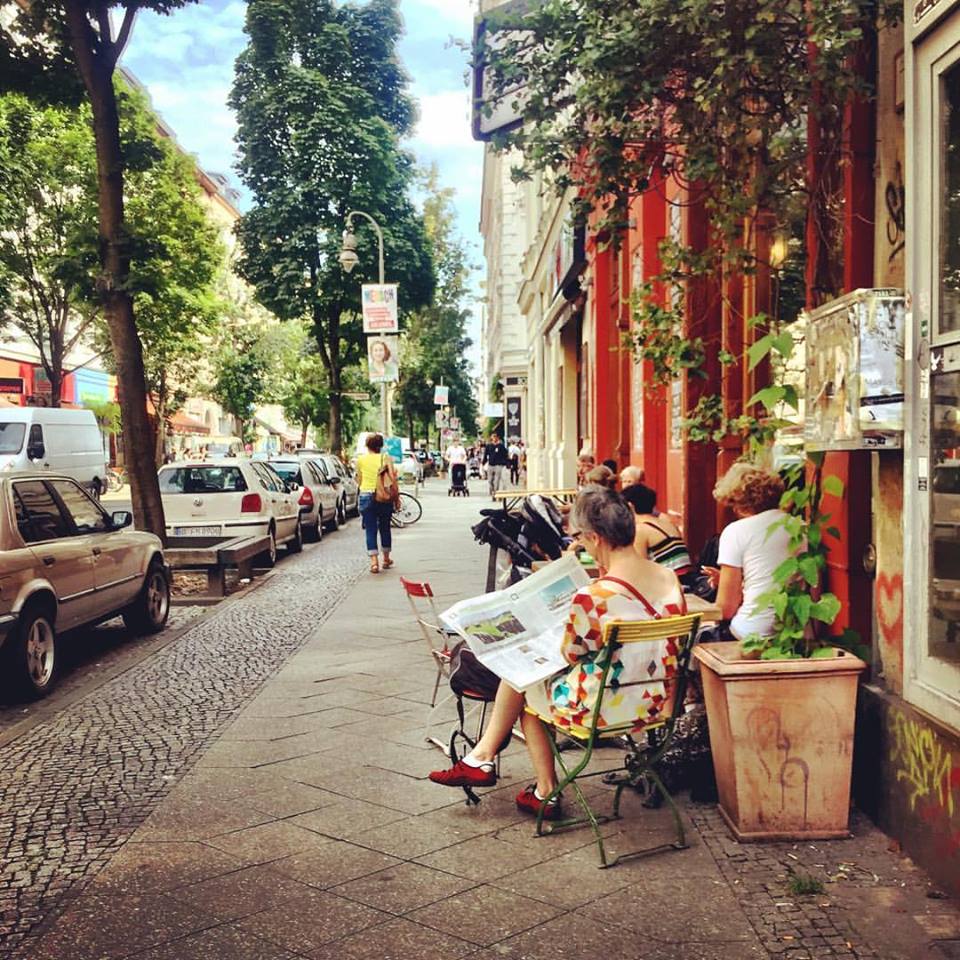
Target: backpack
469,675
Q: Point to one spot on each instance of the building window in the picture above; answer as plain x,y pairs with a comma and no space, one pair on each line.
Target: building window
950,210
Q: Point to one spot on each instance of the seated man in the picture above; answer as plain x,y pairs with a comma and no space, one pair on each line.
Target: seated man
630,588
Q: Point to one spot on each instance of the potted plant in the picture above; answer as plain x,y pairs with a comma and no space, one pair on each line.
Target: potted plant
781,709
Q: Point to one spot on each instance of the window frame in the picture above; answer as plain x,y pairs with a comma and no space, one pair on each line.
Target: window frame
71,530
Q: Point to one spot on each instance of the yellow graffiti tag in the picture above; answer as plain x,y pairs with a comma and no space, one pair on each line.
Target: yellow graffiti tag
925,764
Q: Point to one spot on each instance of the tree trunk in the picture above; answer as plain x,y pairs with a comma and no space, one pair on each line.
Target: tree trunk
96,69
159,448
304,427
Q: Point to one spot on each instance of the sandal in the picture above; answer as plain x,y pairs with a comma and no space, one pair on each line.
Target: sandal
387,563
374,565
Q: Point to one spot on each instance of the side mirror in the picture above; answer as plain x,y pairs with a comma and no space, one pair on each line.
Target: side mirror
334,481
121,518
293,487
36,451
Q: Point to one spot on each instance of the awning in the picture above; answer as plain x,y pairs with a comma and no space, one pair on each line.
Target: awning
276,432
181,424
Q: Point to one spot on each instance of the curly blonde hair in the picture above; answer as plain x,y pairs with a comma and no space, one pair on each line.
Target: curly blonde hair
749,489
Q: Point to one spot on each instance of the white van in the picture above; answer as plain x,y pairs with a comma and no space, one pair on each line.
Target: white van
49,438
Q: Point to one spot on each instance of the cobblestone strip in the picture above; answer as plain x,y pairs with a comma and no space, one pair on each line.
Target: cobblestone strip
807,927
73,790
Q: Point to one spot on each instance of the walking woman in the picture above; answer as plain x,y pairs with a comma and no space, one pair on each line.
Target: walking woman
376,513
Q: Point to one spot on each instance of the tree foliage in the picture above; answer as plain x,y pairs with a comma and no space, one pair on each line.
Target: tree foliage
322,104
436,342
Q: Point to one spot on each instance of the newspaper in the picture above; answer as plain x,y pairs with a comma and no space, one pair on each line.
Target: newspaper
517,632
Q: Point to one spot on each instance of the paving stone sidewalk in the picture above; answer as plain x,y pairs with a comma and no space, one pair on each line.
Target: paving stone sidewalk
308,829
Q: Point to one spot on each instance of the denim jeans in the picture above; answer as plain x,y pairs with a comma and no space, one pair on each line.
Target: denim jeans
376,519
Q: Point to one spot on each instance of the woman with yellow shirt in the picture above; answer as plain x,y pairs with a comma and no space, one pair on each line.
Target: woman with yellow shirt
376,515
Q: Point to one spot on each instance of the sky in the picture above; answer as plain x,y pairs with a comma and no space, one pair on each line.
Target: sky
185,61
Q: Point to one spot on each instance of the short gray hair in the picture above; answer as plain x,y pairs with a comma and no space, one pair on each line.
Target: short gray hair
604,512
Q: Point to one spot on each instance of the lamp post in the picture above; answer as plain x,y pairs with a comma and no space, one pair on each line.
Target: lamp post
348,260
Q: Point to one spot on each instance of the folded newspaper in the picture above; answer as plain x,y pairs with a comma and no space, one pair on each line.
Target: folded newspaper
517,632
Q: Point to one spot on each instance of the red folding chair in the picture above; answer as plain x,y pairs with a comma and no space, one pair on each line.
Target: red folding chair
422,603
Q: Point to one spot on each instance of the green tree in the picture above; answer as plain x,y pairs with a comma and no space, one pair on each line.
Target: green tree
48,45
436,342
241,367
321,101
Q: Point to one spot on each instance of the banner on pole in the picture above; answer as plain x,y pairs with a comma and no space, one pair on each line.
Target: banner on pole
441,396
383,359
380,314
442,418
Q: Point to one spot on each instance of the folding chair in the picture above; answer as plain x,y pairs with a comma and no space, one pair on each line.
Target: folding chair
638,767
437,638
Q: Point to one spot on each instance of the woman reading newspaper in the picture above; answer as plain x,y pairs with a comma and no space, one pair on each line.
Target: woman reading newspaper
630,587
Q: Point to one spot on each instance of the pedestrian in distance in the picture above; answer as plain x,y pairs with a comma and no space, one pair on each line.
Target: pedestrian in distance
379,491
495,458
514,453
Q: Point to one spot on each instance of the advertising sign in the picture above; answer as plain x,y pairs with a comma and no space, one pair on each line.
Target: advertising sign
442,418
514,430
441,396
11,385
393,447
380,313
493,409
383,359
454,423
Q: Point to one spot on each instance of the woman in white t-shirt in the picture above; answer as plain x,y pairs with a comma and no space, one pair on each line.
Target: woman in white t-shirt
750,551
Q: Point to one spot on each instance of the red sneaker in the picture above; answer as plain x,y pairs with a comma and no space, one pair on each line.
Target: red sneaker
528,802
463,775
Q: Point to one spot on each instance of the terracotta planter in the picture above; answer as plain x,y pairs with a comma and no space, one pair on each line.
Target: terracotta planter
781,732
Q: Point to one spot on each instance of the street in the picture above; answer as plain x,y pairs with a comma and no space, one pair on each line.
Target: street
256,788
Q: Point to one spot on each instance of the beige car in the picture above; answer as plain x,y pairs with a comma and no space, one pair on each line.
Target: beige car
66,563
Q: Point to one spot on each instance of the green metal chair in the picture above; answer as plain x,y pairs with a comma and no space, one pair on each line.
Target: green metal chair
638,767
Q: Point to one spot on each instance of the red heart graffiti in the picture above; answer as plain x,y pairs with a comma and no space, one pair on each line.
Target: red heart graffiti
890,607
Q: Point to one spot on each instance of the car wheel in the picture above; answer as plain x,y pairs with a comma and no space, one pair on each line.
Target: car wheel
32,653
97,488
296,544
355,512
342,512
314,533
334,523
150,611
269,556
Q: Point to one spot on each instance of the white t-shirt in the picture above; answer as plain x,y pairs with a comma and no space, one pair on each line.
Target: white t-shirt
745,544
456,455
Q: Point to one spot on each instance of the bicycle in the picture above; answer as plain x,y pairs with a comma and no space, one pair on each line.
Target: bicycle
409,512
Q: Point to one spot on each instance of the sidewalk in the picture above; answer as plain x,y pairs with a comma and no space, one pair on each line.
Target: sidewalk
309,829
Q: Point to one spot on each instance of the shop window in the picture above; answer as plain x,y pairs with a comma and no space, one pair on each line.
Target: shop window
944,632
950,209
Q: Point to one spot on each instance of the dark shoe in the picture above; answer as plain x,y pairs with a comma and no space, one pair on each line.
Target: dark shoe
463,775
527,802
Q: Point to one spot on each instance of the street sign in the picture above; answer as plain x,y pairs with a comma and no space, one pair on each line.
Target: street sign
441,396
380,314
355,395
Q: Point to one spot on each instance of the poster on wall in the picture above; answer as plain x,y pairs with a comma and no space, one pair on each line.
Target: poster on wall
383,359
380,313
514,429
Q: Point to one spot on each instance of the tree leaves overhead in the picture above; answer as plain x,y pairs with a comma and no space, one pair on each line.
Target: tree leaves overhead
321,103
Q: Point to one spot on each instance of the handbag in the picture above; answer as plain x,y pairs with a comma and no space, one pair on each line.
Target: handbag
388,490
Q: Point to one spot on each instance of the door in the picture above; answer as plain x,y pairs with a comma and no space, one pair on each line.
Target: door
63,557
117,572
283,507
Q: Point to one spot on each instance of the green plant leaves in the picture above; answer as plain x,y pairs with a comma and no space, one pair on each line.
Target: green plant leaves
833,485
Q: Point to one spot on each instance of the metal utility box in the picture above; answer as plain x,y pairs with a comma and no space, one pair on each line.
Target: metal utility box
854,361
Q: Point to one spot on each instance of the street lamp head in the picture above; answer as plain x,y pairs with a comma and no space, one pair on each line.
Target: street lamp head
348,252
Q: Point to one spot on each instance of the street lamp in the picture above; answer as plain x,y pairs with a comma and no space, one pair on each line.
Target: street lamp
348,260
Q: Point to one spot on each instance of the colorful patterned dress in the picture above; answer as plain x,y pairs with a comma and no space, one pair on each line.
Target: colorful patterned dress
640,678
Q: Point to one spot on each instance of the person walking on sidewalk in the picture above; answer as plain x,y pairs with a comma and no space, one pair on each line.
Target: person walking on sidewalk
378,491
514,453
496,458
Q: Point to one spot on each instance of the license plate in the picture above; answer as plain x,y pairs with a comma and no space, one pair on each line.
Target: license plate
197,531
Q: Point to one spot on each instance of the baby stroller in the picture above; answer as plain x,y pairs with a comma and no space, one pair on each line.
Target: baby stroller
474,465
458,481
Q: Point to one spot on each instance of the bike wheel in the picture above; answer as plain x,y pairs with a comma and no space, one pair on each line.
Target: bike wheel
410,510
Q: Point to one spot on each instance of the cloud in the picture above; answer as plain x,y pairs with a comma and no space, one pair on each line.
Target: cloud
451,14
444,120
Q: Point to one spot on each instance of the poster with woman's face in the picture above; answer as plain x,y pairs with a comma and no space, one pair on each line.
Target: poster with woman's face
383,359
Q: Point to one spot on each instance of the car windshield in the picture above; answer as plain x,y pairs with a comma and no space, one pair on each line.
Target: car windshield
288,471
202,479
11,437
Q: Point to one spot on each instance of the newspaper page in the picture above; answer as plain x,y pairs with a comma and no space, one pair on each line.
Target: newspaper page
517,632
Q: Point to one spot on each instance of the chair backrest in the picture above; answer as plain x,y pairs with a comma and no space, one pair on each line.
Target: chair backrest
672,668
424,607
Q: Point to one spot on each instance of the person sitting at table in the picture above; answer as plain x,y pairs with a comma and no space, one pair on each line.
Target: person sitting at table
658,537
602,476
585,463
631,475
751,548
630,587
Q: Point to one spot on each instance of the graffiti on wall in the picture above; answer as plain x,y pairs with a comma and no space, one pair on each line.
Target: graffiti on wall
930,773
895,199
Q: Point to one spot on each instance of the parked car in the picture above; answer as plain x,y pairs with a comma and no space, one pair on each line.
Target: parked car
340,475
319,498
66,563
67,442
231,497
